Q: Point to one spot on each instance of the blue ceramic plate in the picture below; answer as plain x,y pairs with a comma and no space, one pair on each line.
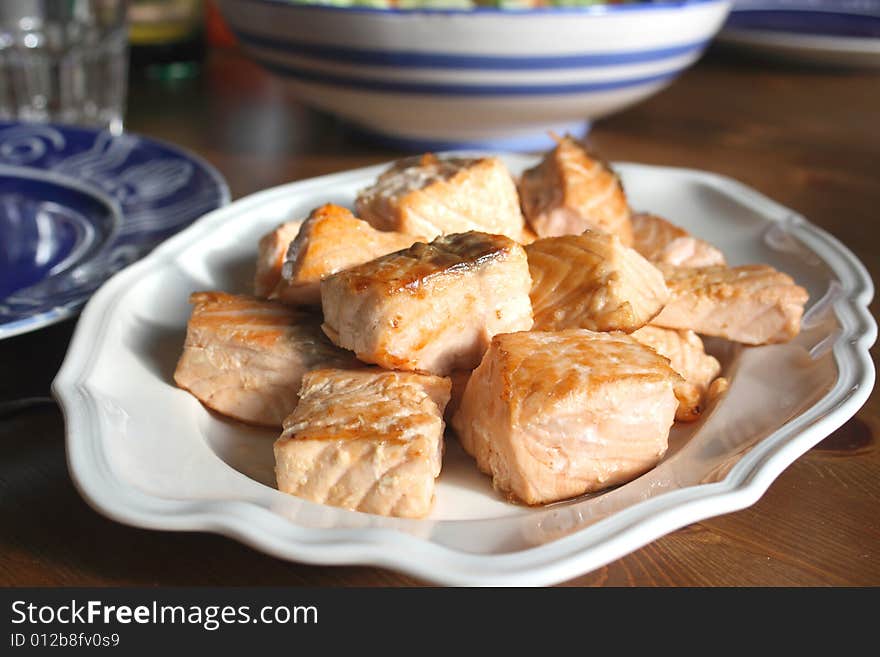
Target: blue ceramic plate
77,205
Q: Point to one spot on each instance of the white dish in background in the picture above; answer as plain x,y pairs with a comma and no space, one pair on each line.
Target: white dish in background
148,454
842,33
806,48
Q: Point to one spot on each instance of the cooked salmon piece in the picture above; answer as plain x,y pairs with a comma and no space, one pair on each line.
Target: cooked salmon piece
553,415
432,307
571,191
270,257
430,196
688,357
752,304
368,440
527,236
330,240
662,241
717,388
459,380
592,281
245,357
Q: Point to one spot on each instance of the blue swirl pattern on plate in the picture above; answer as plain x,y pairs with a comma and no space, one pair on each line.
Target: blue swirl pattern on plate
48,224
77,205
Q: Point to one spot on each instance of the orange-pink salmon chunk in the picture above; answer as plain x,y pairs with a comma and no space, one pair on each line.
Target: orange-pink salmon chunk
430,196
270,258
330,240
553,415
245,357
433,307
688,357
752,304
367,440
592,281
662,241
571,191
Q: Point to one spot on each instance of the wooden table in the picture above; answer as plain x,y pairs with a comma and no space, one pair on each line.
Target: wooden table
809,139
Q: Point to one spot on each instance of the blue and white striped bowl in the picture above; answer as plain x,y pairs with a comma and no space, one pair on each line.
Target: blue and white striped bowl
481,78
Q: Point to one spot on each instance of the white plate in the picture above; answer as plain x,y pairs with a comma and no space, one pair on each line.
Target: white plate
806,48
148,454
818,32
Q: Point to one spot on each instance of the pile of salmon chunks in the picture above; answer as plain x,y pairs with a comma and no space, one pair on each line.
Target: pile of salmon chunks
553,328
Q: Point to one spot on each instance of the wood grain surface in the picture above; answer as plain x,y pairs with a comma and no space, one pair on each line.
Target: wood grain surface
807,138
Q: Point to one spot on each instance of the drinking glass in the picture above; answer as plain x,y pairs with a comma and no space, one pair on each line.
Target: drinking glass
64,61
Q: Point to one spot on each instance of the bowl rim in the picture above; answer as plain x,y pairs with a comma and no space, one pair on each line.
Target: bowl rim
598,10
